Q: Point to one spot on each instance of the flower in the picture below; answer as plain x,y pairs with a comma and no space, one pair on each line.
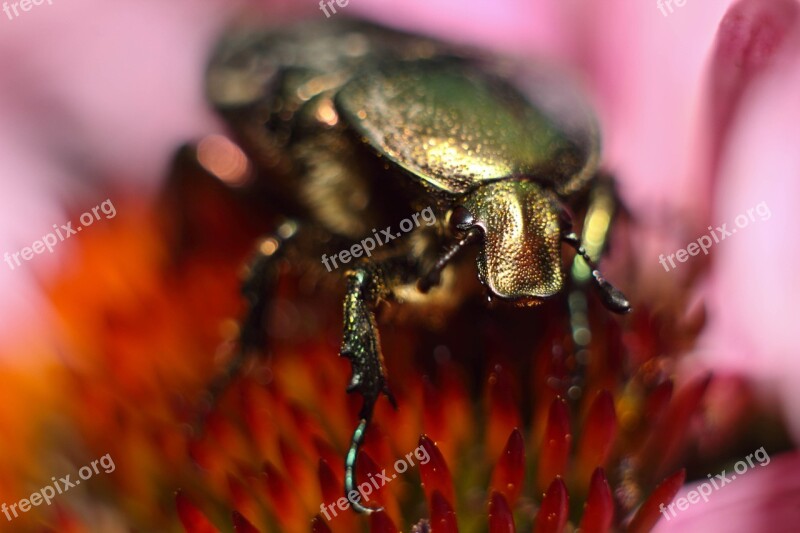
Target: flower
524,428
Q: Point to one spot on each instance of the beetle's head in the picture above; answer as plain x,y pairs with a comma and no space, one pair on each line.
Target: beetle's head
521,224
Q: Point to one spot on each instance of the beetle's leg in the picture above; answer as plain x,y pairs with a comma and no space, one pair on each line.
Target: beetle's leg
602,204
257,289
611,297
601,208
600,212
433,276
368,284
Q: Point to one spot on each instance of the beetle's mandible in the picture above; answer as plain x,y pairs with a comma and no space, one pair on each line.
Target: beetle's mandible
354,126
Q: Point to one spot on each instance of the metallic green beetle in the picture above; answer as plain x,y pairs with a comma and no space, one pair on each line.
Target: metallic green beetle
353,126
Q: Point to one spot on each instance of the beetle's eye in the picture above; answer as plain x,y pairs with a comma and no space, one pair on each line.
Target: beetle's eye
461,218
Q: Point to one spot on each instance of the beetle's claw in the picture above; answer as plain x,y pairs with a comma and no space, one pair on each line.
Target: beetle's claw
370,397
612,297
350,465
357,507
390,396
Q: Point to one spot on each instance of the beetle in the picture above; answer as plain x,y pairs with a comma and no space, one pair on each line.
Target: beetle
353,126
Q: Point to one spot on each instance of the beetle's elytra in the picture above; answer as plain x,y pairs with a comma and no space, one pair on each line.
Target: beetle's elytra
353,126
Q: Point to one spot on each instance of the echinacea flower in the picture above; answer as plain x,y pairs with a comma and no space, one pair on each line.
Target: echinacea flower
523,428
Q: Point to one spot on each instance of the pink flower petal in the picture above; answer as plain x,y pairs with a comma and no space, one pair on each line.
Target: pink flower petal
754,283
764,498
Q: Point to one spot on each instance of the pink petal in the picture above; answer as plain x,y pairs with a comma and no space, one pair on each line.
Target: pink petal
753,293
764,498
752,36
516,25
649,96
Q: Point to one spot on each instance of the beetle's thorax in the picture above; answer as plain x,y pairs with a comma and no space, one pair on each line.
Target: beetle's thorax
520,259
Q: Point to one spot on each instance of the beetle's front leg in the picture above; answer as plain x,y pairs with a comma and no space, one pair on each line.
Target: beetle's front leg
603,202
601,211
368,284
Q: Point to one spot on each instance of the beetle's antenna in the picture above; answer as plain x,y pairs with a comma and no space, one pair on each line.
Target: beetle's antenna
432,277
612,297
350,462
